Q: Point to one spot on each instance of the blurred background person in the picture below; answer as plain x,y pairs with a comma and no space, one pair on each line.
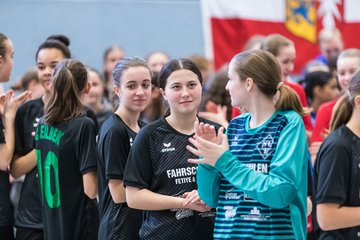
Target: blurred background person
95,99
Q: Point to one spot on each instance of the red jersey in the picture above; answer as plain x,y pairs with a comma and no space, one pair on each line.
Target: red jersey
322,122
302,96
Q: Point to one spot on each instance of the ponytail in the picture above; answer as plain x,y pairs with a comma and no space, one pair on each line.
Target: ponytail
69,79
289,100
342,112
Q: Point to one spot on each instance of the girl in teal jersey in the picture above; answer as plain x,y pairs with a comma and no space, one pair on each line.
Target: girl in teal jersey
256,174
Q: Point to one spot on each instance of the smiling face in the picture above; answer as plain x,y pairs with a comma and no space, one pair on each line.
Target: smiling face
46,62
6,62
346,68
135,89
183,92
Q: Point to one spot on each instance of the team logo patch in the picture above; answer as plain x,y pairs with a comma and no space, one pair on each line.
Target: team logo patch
167,148
265,146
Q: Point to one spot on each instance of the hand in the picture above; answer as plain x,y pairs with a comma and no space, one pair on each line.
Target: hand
313,150
207,132
219,116
11,103
192,197
208,151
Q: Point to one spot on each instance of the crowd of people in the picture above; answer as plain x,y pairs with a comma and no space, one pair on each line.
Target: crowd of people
168,148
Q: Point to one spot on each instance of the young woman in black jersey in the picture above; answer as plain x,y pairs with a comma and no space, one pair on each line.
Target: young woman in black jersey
65,146
9,106
29,217
336,174
158,176
132,84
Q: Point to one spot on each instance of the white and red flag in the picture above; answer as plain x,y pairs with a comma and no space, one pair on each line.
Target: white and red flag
228,24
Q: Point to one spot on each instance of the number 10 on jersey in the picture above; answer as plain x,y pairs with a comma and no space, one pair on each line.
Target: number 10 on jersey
49,178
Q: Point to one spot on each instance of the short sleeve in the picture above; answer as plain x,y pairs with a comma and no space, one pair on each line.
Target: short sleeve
87,147
139,172
333,167
115,153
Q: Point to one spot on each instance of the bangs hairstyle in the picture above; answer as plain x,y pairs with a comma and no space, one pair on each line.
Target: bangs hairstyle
175,65
118,71
69,80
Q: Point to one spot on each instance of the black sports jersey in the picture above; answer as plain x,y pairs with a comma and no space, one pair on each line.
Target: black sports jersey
65,152
5,204
27,119
90,114
337,178
103,115
114,143
29,209
158,162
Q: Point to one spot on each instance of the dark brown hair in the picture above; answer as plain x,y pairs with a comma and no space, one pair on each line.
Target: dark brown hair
69,80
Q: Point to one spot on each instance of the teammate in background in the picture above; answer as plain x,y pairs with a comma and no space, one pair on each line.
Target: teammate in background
284,51
156,108
256,176
336,175
157,175
156,60
111,56
29,81
348,63
28,220
330,44
132,83
9,105
320,87
65,145
95,99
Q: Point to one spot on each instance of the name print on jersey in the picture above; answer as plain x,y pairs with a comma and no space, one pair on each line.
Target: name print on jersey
182,175
48,133
48,168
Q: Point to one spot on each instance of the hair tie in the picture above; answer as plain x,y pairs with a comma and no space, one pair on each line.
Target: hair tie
279,85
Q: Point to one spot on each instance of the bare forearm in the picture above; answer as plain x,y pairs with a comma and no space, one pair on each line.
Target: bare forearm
22,165
147,200
332,216
90,184
117,190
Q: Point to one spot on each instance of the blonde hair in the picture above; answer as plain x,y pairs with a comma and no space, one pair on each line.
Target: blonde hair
349,53
327,34
273,42
264,69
